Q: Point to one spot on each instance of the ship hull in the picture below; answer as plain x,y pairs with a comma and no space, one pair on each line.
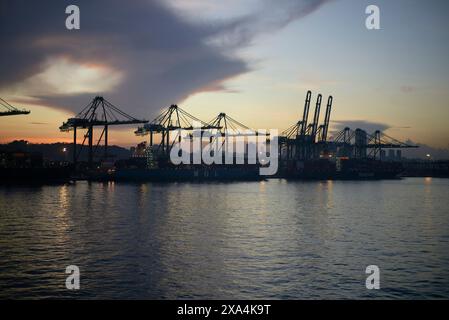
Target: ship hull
34,175
199,174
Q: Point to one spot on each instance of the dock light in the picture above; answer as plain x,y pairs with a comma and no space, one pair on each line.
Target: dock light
64,149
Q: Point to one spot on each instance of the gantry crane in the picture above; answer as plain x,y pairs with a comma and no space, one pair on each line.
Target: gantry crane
305,140
98,113
171,119
231,128
360,144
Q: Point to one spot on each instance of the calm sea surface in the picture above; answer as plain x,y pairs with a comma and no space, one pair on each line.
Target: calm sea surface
251,240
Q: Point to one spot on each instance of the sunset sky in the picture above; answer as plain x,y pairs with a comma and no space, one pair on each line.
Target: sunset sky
254,60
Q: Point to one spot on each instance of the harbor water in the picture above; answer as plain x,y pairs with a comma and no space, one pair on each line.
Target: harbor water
239,240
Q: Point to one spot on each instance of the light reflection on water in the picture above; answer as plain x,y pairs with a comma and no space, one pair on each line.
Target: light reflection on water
271,239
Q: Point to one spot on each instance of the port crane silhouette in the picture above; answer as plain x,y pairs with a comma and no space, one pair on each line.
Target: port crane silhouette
306,141
230,128
172,119
6,109
98,113
359,144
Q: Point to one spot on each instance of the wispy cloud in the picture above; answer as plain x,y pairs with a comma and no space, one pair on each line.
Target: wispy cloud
269,16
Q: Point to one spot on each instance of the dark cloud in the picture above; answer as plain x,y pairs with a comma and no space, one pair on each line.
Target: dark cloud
162,57
368,126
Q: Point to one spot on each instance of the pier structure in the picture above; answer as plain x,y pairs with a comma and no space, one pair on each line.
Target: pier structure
98,113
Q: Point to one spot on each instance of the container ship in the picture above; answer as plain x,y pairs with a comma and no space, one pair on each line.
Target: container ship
141,169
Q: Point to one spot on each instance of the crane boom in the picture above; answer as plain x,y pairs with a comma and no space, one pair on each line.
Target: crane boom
306,113
316,116
327,119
